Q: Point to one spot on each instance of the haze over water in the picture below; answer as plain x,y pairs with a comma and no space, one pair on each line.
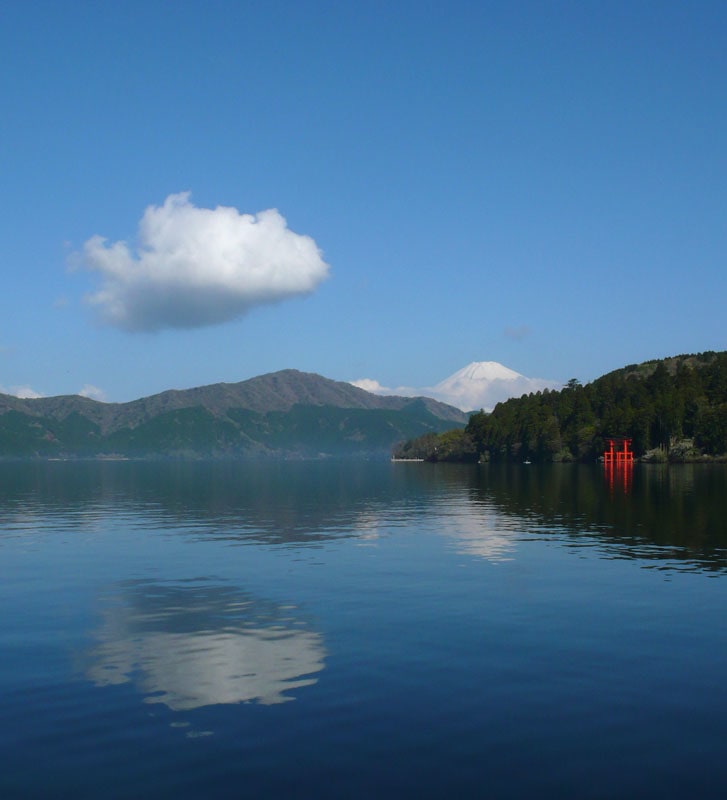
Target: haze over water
362,629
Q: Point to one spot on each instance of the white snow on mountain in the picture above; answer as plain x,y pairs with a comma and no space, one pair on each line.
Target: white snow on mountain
481,384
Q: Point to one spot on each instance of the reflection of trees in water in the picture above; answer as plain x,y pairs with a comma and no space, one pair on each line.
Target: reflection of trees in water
673,513
195,644
271,502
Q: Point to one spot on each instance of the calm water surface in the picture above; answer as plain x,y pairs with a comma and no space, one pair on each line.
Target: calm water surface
362,630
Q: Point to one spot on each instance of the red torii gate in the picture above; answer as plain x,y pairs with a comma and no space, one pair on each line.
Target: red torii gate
618,451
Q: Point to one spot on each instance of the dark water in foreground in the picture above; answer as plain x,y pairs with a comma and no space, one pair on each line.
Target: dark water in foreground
362,630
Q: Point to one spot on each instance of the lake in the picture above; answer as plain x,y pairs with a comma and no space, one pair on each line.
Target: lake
358,630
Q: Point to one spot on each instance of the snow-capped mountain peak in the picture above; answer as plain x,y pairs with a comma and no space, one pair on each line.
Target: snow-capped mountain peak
481,371
481,384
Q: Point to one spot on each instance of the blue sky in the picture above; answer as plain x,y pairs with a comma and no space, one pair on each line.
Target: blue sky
540,184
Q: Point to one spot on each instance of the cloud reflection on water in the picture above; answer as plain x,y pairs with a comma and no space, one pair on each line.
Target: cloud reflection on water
195,644
479,530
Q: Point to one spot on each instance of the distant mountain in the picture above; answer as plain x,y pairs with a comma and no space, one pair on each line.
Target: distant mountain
282,414
484,384
479,385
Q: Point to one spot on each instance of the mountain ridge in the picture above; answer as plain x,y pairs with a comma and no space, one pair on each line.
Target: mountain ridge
280,412
273,391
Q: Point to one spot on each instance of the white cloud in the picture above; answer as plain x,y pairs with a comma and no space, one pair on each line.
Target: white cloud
197,266
370,385
89,390
373,386
24,392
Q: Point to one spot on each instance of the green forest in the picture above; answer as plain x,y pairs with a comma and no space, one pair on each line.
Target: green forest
673,409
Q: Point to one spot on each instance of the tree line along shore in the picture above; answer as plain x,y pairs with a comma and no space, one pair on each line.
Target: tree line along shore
673,409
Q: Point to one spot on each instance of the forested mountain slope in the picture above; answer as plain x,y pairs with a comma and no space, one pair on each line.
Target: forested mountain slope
672,408
282,414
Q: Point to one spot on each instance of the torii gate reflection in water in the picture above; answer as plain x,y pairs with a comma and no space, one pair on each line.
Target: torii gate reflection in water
618,461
